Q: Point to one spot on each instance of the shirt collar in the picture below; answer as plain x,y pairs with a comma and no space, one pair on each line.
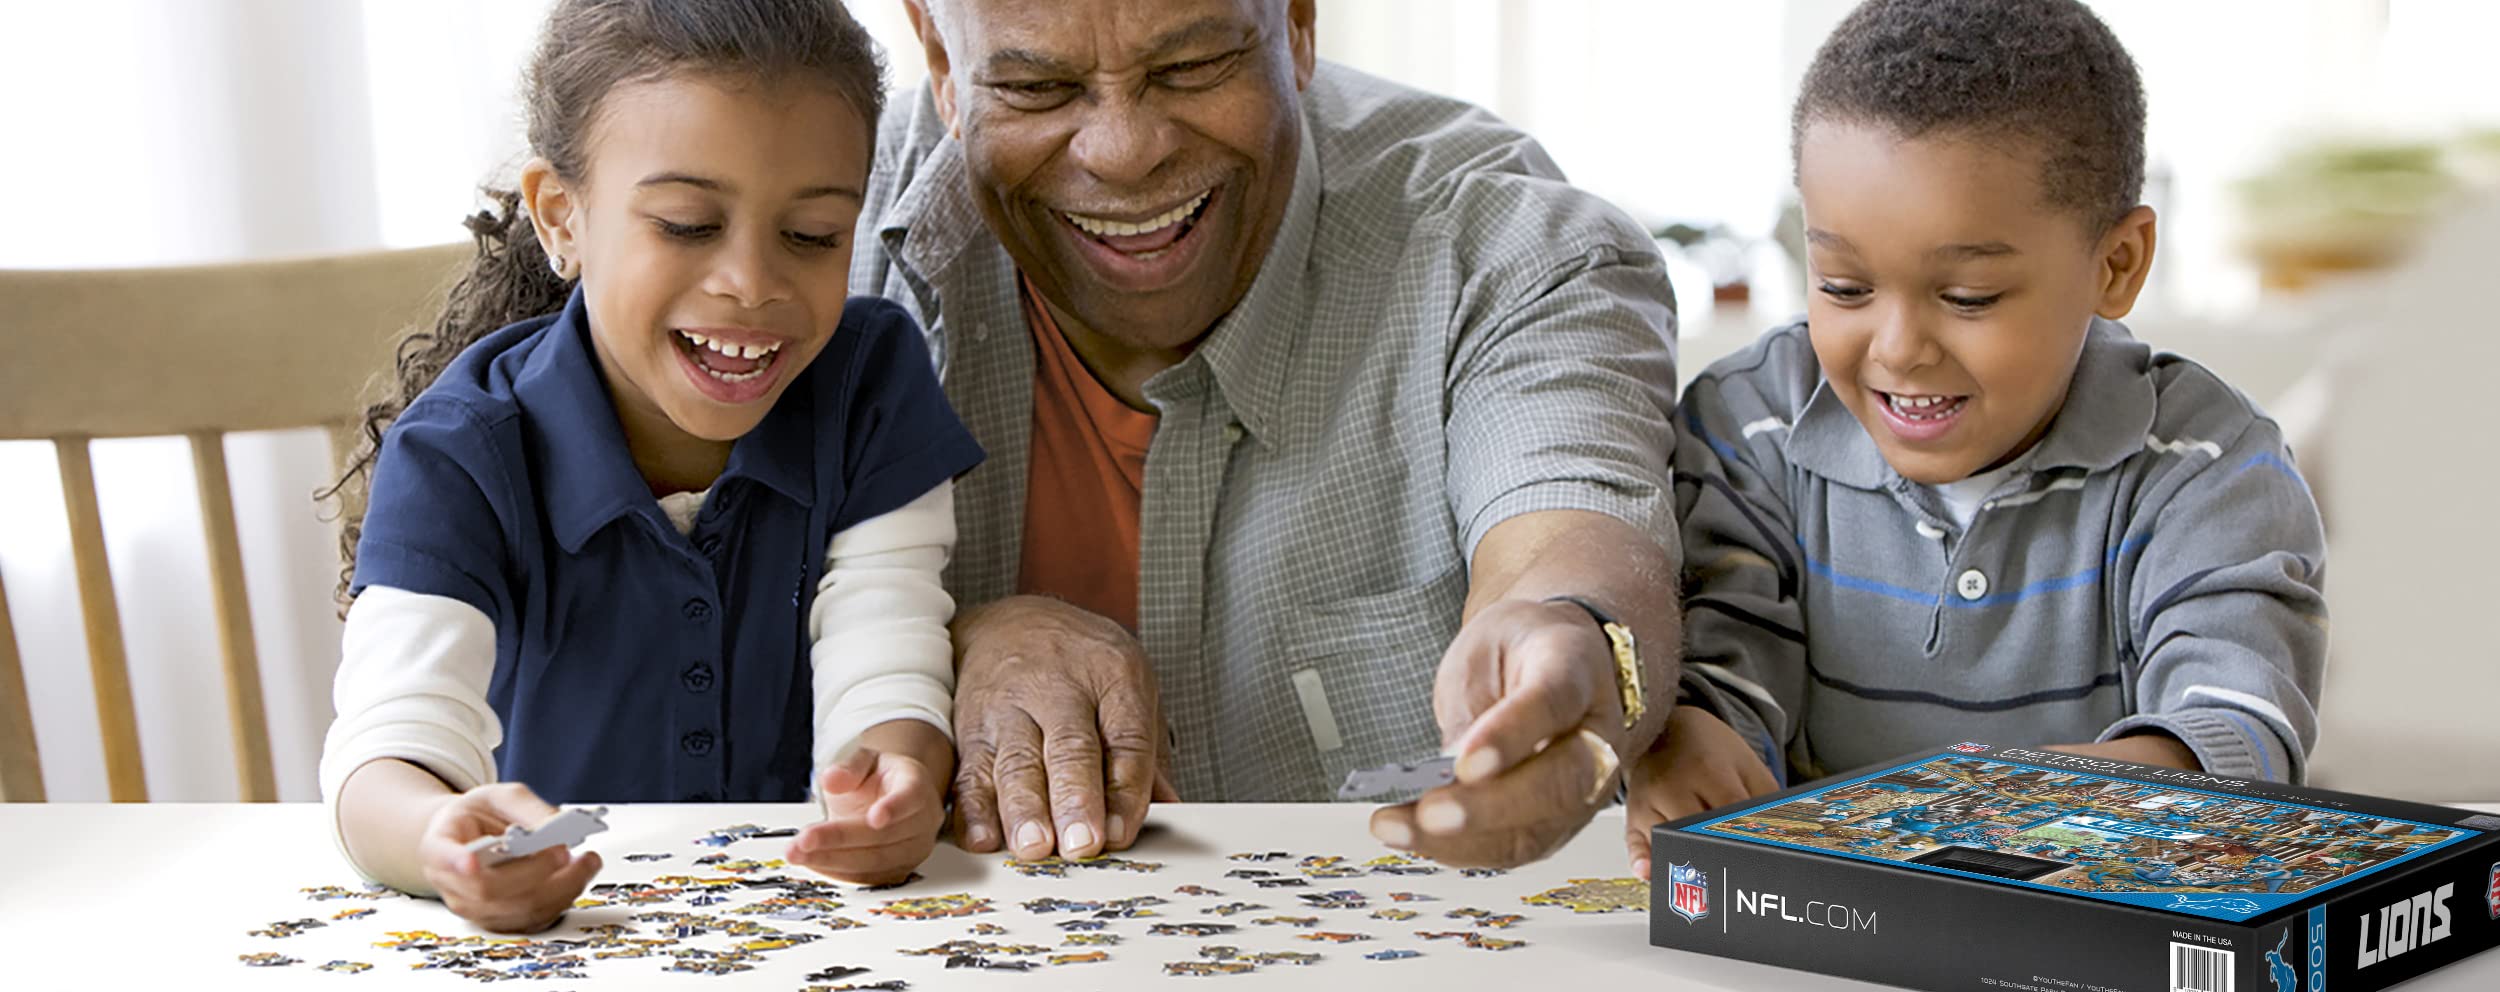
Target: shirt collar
2109,409
587,476
1250,349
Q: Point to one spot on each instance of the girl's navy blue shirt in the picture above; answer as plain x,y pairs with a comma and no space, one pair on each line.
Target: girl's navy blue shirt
632,663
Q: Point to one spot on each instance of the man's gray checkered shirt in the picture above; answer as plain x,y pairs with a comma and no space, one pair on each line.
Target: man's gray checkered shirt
1444,335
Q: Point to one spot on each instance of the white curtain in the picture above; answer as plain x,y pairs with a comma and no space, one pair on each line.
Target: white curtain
159,131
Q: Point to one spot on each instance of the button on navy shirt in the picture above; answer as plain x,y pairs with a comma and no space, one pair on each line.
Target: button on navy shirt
633,663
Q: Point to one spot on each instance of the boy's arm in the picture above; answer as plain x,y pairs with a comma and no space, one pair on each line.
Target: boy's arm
2228,612
1744,632
880,651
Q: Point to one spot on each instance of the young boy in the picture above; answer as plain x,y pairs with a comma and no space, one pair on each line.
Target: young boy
1960,502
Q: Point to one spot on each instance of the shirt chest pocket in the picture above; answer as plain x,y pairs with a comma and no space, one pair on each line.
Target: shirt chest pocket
1359,672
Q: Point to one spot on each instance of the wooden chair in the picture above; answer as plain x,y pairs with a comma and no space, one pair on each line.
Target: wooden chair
198,352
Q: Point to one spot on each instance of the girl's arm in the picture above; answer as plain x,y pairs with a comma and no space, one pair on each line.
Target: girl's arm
883,670
413,727
880,650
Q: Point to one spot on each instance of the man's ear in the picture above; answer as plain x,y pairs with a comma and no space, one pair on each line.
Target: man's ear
555,213
1301,28
924,23
2124,258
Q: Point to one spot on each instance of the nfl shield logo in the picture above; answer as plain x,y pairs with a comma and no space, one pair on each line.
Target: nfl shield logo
1967,747
1688,891
2491,893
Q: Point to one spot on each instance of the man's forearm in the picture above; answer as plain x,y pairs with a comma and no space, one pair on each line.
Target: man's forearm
1537,556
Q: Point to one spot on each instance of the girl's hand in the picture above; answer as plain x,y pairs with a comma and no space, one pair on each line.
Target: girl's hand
882,813
1699,764
524,895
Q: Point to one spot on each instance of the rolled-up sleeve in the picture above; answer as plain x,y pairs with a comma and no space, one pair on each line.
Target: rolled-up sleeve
1564,400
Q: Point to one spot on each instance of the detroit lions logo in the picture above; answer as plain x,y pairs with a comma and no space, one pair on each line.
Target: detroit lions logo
2286,978
2214,904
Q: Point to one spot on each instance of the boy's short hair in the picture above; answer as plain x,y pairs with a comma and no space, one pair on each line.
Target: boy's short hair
2043,71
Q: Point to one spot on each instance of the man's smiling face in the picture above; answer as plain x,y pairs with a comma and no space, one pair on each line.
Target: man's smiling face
1133,156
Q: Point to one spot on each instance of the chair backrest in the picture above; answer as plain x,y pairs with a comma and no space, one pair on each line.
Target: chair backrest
196,351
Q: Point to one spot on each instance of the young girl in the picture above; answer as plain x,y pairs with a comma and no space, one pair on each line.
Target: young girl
673,532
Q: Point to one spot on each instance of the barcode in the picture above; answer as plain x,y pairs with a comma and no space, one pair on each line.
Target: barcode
2199,969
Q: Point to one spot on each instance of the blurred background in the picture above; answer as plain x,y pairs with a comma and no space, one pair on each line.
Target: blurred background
2325,171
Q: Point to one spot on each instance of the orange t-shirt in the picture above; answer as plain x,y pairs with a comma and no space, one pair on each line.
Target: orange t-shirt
1086,480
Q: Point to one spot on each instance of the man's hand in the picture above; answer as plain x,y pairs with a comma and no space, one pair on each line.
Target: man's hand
523,895
884,802
1699,764
1058,731
1526,698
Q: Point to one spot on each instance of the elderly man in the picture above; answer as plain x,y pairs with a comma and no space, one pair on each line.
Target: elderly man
1327,427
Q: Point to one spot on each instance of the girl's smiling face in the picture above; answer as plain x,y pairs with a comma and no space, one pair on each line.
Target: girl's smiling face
711,230
1948,300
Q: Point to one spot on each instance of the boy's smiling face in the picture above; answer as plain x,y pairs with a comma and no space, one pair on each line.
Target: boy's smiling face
1948,299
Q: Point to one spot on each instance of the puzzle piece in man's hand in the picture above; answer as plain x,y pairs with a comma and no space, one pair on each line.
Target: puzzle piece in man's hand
1399,776
565,829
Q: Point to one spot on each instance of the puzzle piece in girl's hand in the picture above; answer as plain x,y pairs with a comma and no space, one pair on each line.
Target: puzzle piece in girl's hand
1596,895
1399,776
565,829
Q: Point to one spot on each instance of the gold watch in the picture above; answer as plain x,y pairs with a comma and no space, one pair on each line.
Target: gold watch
1627,653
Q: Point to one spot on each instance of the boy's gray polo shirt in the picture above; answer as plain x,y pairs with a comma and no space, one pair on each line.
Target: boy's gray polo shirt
2158,564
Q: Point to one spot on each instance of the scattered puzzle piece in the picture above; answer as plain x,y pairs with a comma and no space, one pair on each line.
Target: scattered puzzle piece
1201,969
1596,895
267,959
1394,954
1087,957
347,967
935,907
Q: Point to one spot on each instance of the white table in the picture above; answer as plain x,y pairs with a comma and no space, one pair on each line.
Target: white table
161,895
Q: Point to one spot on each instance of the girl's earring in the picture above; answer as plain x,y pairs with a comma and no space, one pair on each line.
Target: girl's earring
555,263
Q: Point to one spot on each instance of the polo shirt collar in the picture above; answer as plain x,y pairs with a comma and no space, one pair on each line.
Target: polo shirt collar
587,478
2109,409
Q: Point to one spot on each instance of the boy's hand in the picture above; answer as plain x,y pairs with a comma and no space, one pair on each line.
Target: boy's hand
524,895
2150,748
1699,764
882,813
